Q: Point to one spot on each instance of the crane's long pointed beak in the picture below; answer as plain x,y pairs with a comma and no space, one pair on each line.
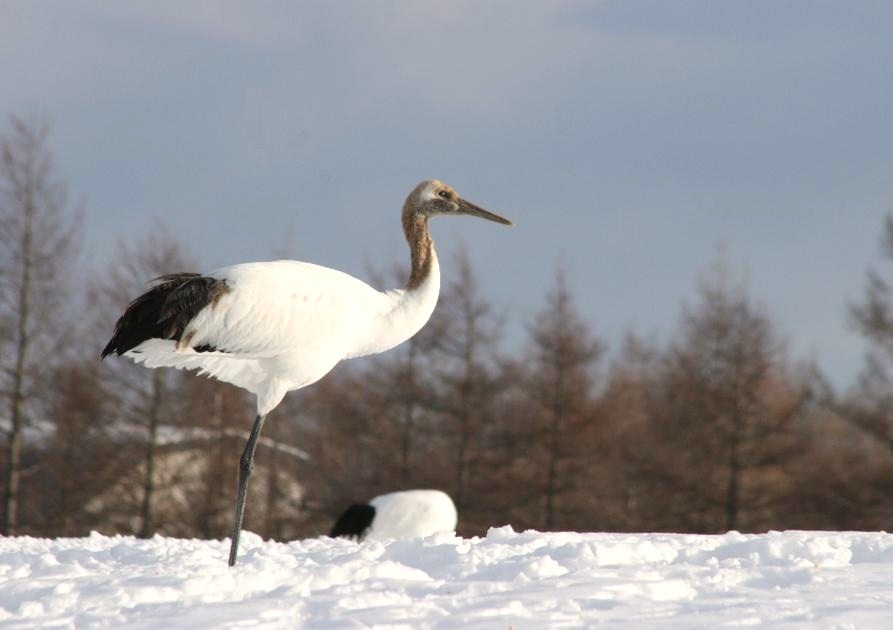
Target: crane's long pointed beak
466,207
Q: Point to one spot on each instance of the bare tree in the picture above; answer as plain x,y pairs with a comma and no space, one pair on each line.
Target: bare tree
397,405
38,245
621,476
467,385
559,383
872,408
843,474
143,396
727,411
869,406
80,457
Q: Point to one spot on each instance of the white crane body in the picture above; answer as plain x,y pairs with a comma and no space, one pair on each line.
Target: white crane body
282,325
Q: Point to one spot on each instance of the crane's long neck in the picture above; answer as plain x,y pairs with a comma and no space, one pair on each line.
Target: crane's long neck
421,249
405,311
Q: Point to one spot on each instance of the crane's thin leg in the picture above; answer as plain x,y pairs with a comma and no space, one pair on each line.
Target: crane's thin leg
246,465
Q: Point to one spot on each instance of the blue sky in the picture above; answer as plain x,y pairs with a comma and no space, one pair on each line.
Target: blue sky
630,141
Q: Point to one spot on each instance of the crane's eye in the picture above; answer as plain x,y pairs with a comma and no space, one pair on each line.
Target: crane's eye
443,194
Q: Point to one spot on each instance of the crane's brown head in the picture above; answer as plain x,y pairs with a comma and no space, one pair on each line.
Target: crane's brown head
433,198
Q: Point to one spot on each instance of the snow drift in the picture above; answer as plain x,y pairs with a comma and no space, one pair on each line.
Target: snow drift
506,579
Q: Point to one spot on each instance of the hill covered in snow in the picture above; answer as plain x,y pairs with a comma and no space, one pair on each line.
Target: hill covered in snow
506,579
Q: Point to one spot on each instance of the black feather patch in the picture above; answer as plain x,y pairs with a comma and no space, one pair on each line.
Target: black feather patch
164,311
354,521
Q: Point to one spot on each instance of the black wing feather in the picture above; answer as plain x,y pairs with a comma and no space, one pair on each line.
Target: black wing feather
164,311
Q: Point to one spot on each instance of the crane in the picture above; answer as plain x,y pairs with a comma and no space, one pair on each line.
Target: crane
401,514
274,327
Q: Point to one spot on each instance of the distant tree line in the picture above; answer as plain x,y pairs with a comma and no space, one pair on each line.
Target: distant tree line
716,428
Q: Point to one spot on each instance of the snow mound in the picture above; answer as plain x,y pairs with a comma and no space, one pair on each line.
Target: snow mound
506,579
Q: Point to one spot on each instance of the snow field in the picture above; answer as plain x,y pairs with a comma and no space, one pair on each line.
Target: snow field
506,579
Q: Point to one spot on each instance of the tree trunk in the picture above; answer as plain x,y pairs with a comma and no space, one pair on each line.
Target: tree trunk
17,397
465,400
552,474
148,508
462,446
732,503
409,405
558,412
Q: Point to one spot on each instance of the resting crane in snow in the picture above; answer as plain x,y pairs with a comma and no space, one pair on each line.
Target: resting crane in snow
273,327
401,514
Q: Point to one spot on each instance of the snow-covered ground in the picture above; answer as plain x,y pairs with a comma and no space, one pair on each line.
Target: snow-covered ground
504,580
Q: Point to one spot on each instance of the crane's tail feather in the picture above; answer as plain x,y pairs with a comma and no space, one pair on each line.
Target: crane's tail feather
241,371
